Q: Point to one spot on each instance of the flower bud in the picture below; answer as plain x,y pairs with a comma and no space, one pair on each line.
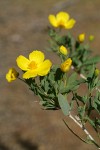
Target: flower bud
63,50
81,37
11,75
96,72
65,66
91,38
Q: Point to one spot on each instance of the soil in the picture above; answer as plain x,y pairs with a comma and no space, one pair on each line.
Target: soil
24,125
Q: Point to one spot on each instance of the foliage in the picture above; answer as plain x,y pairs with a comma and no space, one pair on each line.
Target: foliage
58,86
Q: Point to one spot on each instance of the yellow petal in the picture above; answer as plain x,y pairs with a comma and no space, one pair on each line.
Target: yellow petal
22,62
36,56
62,16
52,20
44,68
8,78
30,74
70,24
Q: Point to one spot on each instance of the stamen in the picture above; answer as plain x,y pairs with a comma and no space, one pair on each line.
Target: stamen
32,65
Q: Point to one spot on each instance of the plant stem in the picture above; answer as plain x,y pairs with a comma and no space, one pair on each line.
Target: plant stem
84,129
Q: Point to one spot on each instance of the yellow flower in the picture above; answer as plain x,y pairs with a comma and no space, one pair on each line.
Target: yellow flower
35,65
63,50
61,20
12,75
81,37
65,66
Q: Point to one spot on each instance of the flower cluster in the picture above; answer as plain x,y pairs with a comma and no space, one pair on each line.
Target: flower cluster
36,65
55,83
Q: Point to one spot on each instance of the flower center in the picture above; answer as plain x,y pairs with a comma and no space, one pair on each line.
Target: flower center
61,23
32,65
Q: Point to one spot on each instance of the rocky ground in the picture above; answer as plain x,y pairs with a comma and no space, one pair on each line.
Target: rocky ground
23,27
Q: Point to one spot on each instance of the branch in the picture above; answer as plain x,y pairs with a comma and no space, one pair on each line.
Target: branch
83,128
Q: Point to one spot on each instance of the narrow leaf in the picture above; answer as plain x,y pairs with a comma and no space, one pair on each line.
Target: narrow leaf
93,60
63,104
72,78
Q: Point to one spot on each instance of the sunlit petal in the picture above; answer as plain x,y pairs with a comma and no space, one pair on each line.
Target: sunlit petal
30,74
62,16
70,24
44,68
52,20
22,62
36,56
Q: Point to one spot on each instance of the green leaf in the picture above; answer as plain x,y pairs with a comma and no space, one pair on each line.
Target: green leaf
61,85
91,72
82,99
52,33
96,102
98,84
95,82
63,104
72,78
72,86
93,60
61,40
81,112
91,121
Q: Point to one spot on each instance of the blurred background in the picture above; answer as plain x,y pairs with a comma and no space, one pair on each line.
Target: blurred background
24,125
